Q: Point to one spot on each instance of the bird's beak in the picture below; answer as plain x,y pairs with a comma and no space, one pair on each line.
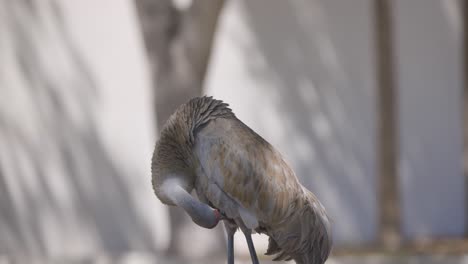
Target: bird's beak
219,215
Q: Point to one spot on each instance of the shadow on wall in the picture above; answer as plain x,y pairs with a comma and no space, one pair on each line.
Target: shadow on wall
325,99
60,191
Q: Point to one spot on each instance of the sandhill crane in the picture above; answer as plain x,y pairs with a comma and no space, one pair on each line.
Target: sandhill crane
239,178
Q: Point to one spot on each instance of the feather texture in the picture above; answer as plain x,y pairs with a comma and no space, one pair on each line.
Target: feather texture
234,169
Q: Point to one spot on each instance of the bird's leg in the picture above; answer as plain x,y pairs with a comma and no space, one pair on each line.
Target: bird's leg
231,228
248,236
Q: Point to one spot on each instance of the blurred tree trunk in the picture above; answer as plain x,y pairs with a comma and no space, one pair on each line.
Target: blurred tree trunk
464,14
387,144
179,44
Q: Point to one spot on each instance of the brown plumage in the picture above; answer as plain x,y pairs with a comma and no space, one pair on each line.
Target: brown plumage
203,146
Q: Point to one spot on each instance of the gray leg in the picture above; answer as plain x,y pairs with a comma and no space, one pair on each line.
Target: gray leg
248,237
230,230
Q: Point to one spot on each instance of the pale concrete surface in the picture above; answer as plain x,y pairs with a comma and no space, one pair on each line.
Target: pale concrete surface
140,258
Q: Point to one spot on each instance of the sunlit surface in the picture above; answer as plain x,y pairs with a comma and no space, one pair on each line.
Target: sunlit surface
77,125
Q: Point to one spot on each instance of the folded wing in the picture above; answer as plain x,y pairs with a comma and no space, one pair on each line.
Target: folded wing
243,175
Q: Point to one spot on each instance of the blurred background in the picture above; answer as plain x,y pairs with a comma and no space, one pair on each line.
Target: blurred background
366,99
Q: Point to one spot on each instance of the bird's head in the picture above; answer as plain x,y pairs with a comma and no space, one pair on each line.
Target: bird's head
218,216
204,215
173,192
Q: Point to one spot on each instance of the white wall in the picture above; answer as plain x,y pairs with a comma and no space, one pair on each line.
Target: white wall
76,131
302,74
428,41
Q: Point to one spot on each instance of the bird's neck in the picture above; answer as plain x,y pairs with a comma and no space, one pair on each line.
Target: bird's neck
202,214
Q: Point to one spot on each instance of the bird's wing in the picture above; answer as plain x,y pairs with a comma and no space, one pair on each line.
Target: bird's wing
243,175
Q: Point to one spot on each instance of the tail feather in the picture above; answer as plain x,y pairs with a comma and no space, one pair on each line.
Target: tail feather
273,248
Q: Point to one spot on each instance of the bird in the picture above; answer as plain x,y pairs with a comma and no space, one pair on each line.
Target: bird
240,179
